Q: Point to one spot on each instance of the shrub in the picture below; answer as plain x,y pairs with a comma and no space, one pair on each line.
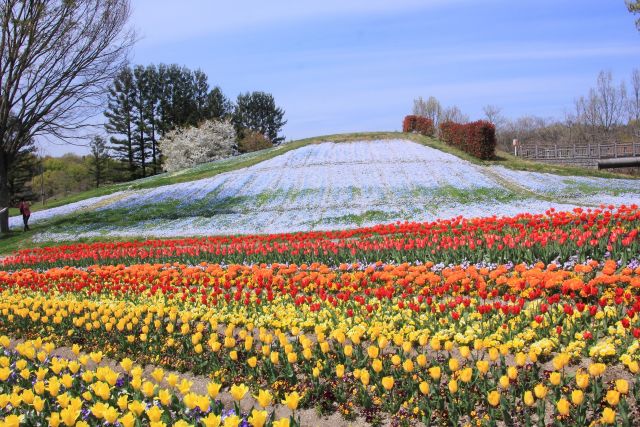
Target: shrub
418,124
187,147
253,141
476,138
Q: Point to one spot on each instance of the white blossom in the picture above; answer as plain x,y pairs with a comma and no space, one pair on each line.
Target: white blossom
186,147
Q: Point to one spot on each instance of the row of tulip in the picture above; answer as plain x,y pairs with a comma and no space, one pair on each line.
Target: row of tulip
39,388
598,233
419,341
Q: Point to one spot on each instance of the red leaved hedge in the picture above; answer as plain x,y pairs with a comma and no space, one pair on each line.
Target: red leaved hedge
476,138
419,124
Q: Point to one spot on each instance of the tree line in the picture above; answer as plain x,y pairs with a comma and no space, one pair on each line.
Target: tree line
145,103
608,112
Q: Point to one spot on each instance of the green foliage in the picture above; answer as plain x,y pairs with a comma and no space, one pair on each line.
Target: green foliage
257,111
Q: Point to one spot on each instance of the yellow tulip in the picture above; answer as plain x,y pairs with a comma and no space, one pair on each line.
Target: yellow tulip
258,418
504,382
238,391
622,386
528,398
190,400
340,371
582,380
424,388
494,398
434,372
211,420
555,378
154,413
38,404
563,406
540,390
454,365
185,386
264,398
69,416
421,359
12,421
158,375
577,396
597,369
608,416
613,397
137,407
453,386
465,375
387,383
252,362
123,402
54,419
512,372
408,365
291,400
213,389
163,395
483,366
282,422
376,365
172,380
126,364
128,420
364,377
148,389
373,351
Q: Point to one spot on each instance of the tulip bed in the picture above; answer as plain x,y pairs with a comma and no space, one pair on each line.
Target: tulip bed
539,340
590,233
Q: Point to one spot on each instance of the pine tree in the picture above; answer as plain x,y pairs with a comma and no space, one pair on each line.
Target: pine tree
140,124
98,159
120,117
257,111
218,105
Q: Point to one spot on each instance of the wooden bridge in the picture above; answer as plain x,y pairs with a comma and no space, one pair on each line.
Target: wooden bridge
585,155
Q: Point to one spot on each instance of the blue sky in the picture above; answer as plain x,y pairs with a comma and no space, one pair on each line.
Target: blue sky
356,65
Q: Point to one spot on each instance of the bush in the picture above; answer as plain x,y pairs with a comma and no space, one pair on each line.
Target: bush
418,124
253,141
187,147
476,138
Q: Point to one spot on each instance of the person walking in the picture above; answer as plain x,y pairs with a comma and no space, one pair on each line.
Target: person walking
26,213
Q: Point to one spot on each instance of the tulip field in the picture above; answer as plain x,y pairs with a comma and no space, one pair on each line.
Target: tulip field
528,320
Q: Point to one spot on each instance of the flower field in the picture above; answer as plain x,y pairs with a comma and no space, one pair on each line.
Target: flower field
530,320
328,186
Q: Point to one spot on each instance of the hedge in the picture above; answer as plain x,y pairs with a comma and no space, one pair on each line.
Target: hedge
476,138
419,124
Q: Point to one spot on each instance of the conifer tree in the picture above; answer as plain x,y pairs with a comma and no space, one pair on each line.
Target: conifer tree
120,117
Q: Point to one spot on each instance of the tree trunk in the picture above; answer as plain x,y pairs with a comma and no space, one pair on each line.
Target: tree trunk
4,192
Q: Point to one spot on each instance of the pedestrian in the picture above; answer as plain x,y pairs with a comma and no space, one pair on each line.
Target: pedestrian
26,213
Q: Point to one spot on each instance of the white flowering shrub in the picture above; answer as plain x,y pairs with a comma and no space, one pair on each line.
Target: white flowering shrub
186,147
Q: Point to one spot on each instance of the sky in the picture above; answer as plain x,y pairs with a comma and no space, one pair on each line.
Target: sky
356,65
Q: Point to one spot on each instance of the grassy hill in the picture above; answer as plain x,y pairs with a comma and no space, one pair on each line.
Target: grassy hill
116,216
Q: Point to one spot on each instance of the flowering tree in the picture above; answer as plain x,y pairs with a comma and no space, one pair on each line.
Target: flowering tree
187,147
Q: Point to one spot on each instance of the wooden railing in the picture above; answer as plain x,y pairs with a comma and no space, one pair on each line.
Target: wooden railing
575,152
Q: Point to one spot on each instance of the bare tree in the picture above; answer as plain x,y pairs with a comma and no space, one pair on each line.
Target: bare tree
454,114
634,99
58,57
634,7
492,114
602,110
611,105
431,109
